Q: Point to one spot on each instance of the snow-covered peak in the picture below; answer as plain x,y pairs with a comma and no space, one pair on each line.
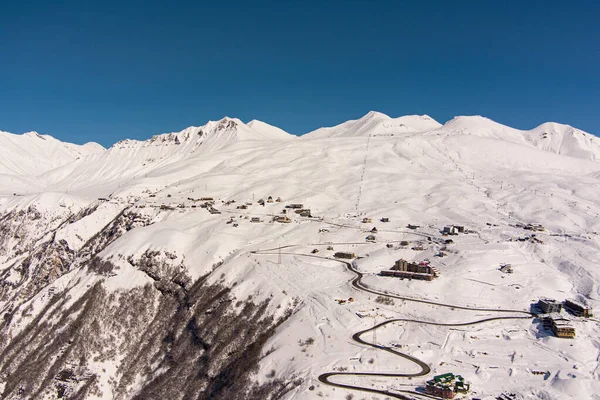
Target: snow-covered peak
268,130
477,125
550,136
33,154
566,140
376,123
214,135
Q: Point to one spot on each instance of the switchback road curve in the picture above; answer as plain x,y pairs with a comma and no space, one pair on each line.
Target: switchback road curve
357,337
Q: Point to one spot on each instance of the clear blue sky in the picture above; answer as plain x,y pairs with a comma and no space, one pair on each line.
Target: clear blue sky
109,70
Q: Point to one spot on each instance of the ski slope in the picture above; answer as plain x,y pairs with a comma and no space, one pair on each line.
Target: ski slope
143,198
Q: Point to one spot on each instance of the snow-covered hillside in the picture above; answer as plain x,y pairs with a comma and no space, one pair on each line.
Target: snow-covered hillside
376,123
33,154
175,267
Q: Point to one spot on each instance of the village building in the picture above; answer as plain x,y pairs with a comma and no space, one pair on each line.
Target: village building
385,219
284,219
366,220
261,202
506,268
242,207
404,269
270,199
374,230
278,200
578,309
562,328
343,254
450,230
296,205
206,199
413,227
370,238
211,209
255,219
304,212
549,305
453,229
446,386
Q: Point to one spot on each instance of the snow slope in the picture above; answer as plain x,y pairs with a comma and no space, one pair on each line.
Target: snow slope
376,123
550,136
32,154
138,208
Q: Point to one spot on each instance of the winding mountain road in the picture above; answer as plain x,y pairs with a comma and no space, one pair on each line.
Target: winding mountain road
357,337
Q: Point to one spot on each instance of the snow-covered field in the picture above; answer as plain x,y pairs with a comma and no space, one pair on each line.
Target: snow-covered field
65,204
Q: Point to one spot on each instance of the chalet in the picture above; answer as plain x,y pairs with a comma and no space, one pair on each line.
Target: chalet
549,305
242,207
413,227
261,202
450,230
374,230
370,238
367,220
284,220
446,386
255,219
385,219
270,199
342,254
315,251
206,199
506,268
297,206
278,200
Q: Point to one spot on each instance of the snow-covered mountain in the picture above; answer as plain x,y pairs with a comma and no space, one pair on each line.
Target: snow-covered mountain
376,123
565,140
33,154
151,270
550,136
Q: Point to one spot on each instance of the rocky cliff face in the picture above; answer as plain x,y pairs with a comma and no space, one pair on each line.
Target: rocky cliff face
172,337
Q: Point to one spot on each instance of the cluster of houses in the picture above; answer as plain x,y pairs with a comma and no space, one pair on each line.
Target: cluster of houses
552,318
367,220
446,386
269,200
531,227
404,269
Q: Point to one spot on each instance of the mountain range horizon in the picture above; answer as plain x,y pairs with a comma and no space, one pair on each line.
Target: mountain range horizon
369,115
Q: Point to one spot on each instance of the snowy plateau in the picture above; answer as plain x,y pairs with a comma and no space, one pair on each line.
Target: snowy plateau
202,264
